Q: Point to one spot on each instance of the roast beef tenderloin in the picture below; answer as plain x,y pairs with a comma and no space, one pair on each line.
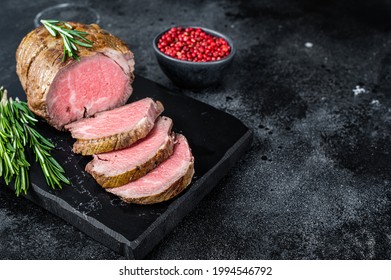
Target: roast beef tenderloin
165,181
120,167
63,92
115,129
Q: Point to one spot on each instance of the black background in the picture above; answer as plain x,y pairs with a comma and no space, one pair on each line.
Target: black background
316,182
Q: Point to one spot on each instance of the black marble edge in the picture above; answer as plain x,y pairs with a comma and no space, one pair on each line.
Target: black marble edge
85,223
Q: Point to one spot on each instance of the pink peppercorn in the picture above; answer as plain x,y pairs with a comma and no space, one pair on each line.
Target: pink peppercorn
193,44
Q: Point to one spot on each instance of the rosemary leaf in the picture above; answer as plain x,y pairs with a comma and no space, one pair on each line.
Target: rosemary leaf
68,34
16,132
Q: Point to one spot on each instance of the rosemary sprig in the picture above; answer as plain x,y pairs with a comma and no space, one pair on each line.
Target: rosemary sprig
69,37
16,132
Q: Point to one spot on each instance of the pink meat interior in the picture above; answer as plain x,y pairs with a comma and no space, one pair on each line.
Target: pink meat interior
83,88
115,121
162,177
117,162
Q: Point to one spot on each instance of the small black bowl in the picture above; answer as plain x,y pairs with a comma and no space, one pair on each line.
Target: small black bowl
190,74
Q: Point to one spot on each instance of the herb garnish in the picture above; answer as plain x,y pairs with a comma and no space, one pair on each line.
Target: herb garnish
16,132
69,36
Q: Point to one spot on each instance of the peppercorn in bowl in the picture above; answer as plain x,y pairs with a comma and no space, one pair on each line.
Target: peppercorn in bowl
193,57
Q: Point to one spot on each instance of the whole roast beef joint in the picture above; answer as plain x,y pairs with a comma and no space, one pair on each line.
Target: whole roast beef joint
64,92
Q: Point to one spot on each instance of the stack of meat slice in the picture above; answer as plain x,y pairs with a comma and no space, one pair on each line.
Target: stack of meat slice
136,156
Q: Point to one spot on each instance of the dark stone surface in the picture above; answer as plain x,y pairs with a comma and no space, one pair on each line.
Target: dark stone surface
316,183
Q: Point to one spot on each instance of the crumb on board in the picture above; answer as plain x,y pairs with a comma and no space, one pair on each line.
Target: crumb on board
308,45
375,102
358,90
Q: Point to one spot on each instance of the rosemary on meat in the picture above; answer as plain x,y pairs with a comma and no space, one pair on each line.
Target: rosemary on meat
70,37
16,132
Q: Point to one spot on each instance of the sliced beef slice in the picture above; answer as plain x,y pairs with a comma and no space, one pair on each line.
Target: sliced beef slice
165,181
115,129
66,91
120,167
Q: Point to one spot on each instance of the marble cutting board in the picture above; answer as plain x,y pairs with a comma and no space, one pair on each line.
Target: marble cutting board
217,140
